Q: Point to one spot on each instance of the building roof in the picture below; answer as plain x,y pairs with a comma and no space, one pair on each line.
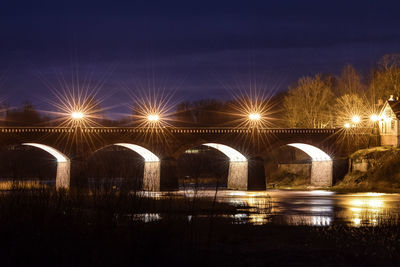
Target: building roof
395,106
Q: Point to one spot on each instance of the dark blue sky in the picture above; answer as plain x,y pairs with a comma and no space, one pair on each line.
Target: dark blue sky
197,48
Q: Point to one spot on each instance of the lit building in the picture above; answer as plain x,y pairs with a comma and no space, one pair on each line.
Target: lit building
389,126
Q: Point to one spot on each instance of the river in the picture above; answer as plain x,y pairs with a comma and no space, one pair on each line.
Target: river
317,207
313,207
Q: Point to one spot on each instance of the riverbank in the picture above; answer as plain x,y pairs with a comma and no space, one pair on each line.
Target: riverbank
286,180
372,170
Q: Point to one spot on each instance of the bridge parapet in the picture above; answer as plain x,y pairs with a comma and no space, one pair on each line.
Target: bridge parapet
300,131
163,129
37,130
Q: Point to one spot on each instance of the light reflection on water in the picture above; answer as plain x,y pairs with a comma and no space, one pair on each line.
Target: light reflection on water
317,208
370,208
146,217
286,207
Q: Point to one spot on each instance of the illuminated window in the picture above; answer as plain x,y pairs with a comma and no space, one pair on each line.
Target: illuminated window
192,151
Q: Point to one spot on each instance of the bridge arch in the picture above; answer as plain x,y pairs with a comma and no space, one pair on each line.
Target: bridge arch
238,165
152,165
321,164
63,176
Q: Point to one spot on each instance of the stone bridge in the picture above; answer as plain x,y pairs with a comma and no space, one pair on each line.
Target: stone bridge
160,147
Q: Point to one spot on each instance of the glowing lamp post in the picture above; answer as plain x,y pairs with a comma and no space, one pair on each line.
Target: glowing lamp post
374,118
356,119
153,118
254,117
77,118
77,115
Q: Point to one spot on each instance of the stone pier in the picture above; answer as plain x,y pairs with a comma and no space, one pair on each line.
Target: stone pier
63,177
321,173
238,175
151,176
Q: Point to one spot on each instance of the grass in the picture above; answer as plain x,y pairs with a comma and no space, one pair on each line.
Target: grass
25,184
42,227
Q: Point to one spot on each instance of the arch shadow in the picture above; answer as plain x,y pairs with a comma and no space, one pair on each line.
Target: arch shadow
238,166
63,176
243,173
321,164
152,165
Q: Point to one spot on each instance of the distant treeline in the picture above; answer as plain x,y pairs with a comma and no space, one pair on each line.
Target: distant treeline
320,101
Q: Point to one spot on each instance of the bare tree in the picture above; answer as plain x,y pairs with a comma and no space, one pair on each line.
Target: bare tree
349,82
385,80
308,103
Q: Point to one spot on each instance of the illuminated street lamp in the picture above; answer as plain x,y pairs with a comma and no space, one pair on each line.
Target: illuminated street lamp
153,118
347,125
374,118
254,116
77,115
77,119
356,119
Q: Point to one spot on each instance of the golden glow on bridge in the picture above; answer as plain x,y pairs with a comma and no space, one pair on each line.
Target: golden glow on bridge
77,109
357,121
252,108
152,107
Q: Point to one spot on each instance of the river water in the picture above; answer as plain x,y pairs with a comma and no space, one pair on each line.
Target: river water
313,207
318,207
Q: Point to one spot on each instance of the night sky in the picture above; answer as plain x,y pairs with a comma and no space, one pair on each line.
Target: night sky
198,49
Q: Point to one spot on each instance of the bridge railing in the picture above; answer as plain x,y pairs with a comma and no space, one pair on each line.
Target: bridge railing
185,130
36,130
